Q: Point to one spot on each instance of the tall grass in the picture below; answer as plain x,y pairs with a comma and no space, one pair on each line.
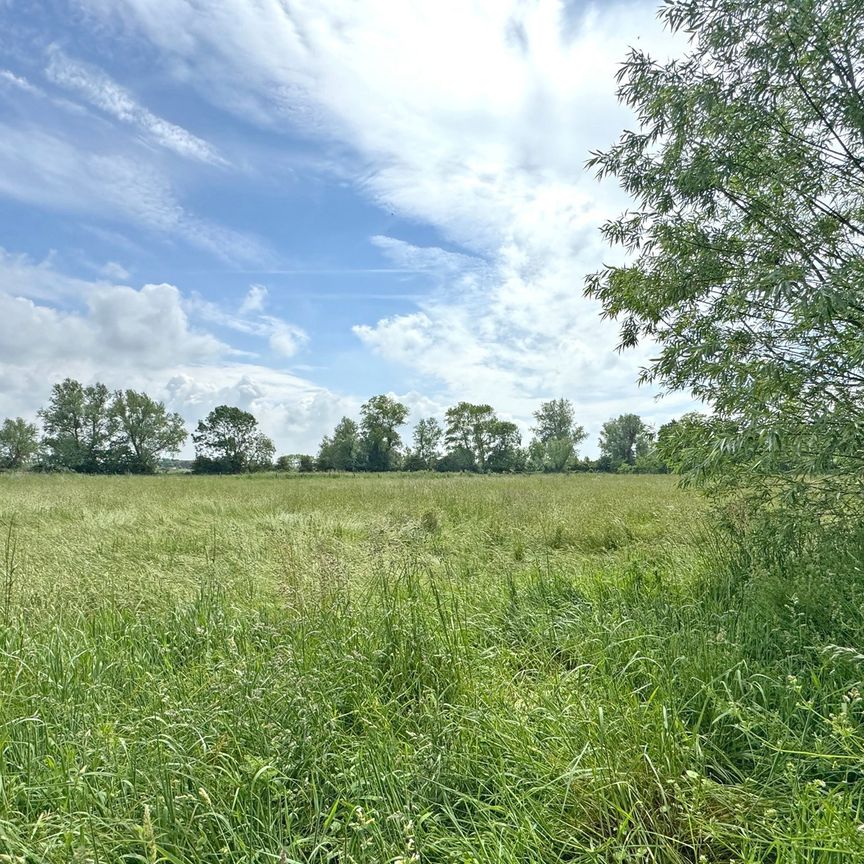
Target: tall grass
432,669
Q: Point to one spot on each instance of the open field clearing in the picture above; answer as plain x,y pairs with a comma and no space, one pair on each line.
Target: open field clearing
416,669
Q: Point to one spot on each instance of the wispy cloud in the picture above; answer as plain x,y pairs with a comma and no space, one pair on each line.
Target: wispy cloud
488,148
18,81
114,271
44,169
425,259
283,338
101,91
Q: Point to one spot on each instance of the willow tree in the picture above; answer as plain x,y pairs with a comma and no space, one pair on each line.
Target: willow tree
746,237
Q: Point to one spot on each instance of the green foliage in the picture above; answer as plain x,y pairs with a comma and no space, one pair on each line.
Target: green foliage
343,451
556,421
457,459
19,443
228,441
380,418
504,454
625,439
146,431
479,439
93,431
80,428
428,435
556,437
747,174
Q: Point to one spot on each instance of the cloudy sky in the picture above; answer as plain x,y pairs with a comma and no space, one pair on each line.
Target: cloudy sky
291,205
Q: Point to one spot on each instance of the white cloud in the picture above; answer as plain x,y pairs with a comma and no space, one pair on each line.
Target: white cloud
283,338
108,96
100,324
475,119
254,299
10,78
49,171
114,271
425,258
143,338
292,410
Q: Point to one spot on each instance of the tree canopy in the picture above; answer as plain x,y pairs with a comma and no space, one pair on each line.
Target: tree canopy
343,450
228,441
148,430
556,436
79,427
380,419
90,429
624,439
479,440
428,435
746,239
19,443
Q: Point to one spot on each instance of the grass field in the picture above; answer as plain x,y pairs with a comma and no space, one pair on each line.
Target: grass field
417,669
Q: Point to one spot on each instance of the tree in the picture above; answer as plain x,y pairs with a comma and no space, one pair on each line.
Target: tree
146,430
624,439
556,436
680,442
80,427
478,440
427,442
504,454
747,239
228,441
468,430
19,443
381,416
342,451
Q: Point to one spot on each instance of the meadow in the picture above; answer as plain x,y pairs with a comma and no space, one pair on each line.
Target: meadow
418,668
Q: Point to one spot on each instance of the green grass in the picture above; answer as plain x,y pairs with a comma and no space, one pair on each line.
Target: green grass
405,668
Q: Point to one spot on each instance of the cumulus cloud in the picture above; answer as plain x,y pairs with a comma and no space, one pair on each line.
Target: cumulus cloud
292,410
285,339
96,322
144,338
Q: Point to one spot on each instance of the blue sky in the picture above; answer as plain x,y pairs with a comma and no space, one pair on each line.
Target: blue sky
292,207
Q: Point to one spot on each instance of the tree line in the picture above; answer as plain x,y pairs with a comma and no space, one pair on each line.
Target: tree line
474,438
93,430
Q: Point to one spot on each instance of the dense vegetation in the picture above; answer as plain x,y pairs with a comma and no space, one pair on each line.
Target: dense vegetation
746,235
427,668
